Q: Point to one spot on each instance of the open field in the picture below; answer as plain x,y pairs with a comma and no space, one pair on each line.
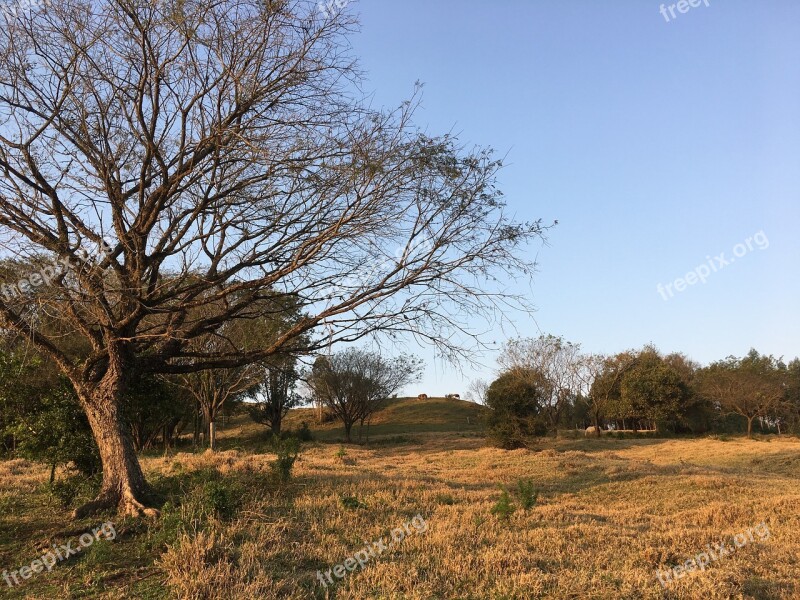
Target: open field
609,513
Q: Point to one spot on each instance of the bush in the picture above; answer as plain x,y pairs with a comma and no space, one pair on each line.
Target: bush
526,493
352,503
304,433
68,490
55,431
288,451
504,507
515,400
222,500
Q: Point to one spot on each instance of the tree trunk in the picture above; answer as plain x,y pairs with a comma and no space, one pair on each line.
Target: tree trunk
597,424
347,428
277,420
750,426
124,486
212,435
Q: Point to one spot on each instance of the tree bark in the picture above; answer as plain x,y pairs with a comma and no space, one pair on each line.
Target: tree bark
124,486
347,428
750,426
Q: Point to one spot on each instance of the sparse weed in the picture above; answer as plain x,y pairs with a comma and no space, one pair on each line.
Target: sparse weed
526,493
504,507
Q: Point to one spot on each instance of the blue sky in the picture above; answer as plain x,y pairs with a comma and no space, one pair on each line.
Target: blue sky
655,144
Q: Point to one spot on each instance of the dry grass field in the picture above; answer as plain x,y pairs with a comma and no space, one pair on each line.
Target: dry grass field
609,513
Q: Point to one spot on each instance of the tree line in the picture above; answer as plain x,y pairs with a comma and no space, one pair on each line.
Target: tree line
41,416
547,383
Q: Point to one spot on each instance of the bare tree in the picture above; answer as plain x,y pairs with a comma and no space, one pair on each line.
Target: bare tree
173,155
355,383
477,391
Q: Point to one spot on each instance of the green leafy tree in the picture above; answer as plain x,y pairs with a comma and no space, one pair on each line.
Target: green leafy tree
275,395
752,387
516,400
653,390
54,430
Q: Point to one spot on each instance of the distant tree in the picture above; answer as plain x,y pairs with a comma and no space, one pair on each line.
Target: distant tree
154,408
653,390
213,389
477,391
752,387
791,403
517,402
355,383
275,394
605,374
554,363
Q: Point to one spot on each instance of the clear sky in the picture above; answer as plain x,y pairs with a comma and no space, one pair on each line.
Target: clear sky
657,145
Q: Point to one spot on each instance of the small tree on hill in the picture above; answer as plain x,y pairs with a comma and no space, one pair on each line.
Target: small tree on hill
356,383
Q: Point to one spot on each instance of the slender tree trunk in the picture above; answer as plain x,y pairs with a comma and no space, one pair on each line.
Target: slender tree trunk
277,420
124,486
750,426
212,435
347,427
597,424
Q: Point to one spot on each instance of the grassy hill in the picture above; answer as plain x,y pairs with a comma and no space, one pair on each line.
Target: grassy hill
400,417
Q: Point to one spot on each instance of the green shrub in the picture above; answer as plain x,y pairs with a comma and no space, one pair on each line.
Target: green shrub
446,499
288,451
222,499
504,507
352,503
526,493
74,487
515,400
304,433
55,431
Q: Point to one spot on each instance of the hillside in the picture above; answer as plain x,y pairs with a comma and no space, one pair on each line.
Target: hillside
400,417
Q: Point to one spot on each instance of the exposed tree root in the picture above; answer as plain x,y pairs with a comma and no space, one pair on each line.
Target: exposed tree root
126,504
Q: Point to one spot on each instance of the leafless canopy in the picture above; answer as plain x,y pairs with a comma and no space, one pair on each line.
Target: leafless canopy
220,150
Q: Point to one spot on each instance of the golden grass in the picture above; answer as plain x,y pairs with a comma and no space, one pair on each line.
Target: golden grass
609,513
